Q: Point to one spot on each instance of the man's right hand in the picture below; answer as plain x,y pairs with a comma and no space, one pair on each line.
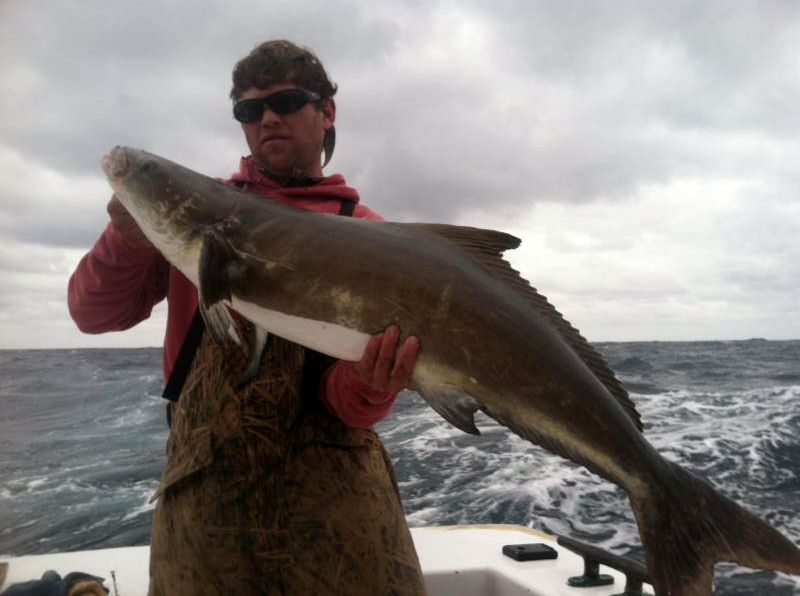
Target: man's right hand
125,226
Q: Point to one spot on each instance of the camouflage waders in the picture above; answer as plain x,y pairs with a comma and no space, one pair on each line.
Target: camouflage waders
265,493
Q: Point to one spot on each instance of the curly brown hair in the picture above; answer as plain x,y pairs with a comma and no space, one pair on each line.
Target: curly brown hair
281,61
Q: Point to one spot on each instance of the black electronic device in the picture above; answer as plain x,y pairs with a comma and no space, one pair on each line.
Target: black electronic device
536,551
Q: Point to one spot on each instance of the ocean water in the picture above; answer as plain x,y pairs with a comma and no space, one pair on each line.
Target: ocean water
83,433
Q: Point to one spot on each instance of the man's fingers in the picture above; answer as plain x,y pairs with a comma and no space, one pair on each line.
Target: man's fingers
365,366
384,363
124,224
383,366
404,365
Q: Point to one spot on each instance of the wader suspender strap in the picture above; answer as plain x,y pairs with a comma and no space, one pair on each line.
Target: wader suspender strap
347,208
191,342
183,363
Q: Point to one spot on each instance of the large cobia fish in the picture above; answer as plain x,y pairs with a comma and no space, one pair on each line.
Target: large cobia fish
489,342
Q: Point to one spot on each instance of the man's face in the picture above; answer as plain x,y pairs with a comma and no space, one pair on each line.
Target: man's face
285,144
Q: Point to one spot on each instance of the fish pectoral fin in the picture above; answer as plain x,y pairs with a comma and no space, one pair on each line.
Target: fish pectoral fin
452,404
214,268
219,322
218,268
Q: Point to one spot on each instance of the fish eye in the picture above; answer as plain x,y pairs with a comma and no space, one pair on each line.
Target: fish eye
147,167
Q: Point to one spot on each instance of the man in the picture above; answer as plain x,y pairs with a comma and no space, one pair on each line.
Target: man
279,485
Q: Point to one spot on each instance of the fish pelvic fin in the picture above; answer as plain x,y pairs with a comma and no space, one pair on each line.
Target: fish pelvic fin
216,270
258,345
486,247
452,404
687,527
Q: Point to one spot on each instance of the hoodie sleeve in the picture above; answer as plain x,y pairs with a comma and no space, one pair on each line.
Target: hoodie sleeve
349,399
115,286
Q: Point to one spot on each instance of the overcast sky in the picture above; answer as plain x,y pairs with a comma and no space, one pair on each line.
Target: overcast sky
646,152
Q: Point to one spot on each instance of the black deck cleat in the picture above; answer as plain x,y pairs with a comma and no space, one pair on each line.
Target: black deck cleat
635,573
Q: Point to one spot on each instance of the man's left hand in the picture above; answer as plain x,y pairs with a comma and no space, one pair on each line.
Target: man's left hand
383,366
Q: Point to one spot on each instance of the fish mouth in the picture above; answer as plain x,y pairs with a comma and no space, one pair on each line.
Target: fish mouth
116,163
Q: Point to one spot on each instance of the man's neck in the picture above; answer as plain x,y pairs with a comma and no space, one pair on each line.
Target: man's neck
295,178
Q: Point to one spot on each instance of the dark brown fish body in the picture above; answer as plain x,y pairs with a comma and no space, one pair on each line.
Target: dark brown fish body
489,342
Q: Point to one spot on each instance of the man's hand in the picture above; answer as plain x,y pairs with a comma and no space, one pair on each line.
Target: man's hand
125,226
385,368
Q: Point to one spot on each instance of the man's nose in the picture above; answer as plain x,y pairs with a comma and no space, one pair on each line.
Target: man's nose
269,117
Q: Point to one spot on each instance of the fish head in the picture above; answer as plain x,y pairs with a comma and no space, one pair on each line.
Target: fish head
172,205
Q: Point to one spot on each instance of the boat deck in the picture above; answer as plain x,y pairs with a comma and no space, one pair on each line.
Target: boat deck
456,561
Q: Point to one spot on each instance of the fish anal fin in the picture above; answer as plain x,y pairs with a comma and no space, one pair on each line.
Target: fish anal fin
452,404
548,441
219,322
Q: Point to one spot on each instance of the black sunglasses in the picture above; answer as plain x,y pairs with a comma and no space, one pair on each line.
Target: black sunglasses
282,102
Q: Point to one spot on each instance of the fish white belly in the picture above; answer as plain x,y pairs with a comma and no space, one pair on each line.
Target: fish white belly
331,339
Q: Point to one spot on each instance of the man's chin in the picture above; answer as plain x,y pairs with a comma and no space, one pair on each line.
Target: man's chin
274,167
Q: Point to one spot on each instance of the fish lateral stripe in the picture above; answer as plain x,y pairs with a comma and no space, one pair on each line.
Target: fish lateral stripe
334,340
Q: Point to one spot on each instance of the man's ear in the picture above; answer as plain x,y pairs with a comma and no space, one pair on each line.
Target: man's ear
328,113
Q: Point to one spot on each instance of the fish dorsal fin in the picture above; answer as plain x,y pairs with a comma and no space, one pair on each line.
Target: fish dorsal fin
486,247
476,241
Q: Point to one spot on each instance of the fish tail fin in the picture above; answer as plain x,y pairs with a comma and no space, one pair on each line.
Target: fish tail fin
687,527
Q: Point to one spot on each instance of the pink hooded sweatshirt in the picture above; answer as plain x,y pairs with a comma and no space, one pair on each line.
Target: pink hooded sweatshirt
116,286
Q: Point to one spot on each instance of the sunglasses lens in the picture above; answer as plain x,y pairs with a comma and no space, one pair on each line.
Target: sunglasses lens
248,110
286,102
280,102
